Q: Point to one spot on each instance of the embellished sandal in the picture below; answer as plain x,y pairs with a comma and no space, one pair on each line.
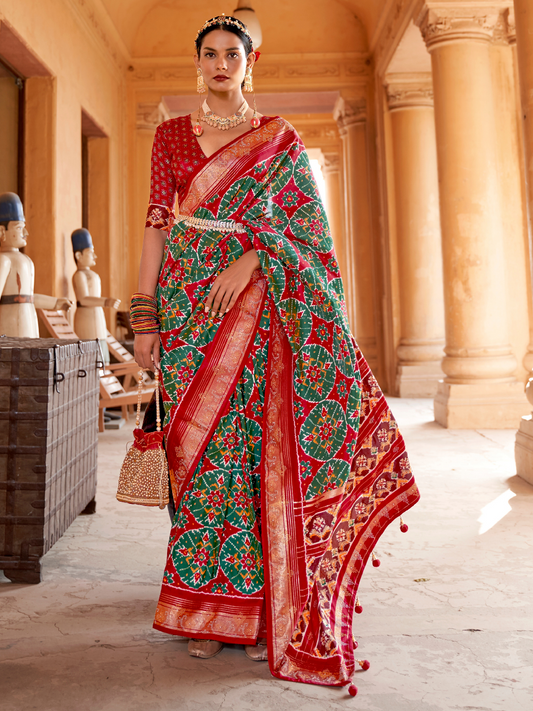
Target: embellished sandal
257,652
204,648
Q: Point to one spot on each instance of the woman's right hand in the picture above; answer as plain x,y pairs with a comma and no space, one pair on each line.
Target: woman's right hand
146,350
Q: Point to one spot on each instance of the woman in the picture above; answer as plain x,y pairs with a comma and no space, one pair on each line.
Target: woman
286,463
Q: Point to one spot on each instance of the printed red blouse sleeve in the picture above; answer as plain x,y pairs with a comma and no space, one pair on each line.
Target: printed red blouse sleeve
163,185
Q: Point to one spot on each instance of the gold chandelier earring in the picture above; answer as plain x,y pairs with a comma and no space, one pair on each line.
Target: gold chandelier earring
200,84
248,81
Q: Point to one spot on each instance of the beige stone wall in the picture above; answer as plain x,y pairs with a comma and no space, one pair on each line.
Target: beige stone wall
84,73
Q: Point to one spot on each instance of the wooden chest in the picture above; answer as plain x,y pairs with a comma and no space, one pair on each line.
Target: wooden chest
49,393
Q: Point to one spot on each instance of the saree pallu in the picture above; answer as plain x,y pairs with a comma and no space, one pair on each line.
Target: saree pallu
286,462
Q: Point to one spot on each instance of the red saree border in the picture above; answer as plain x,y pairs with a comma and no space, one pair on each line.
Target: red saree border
224,165
195,419
185,615
285,599
281,502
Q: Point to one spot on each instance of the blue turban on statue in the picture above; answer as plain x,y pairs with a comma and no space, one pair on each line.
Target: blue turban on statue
81,239
11,208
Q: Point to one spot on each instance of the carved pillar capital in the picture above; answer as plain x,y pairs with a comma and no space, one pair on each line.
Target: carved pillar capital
348,112
149,116
407,91
332,163
510,25
441,23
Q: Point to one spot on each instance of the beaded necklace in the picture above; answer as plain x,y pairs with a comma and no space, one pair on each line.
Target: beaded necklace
224,123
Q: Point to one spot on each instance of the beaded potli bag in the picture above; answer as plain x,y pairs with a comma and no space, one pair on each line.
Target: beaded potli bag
144,475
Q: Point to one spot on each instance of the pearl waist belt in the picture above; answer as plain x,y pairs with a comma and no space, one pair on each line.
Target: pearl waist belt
220,225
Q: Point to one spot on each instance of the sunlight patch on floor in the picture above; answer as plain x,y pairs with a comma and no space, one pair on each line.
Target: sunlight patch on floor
495,511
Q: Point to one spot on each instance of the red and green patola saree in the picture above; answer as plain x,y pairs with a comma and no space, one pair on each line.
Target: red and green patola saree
286,462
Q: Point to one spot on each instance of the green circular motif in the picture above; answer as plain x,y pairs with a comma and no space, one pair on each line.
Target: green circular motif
303,176
240,510
195,555
337,288
209,253
190,268
242,562
278,218
297,322
309,224
254,436
344,352
330,476
204,214
237,192
283,174
323,431
265,319
282,246
354,403
176,310
207,501
276,275
315,373
178,366
317,296
246,385
226,444
233,248
200,328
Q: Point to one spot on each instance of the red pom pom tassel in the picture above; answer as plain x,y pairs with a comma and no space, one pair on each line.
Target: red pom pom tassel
358,607
352,690
355,644
375,561
403,526
364,664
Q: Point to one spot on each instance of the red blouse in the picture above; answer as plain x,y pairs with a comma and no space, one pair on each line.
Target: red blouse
176,155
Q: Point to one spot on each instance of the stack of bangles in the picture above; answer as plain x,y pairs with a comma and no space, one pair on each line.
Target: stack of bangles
143,314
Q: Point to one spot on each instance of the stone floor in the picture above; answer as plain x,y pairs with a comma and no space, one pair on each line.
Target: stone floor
448,620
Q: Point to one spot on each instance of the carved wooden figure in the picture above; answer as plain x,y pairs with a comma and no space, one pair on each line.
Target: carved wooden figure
17,275
89,321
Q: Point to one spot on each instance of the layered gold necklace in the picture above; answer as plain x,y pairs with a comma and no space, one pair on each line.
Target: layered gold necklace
224,123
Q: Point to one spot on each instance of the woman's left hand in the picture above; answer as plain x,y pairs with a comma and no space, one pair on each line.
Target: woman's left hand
230,283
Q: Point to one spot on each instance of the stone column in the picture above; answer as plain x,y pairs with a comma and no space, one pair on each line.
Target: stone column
334,206
351,119
416,188
480,388
523,14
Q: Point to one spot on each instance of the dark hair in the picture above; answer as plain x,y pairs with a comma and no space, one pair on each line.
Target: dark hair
234,29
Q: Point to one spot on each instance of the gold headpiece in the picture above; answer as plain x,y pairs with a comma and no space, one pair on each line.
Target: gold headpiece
226,20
